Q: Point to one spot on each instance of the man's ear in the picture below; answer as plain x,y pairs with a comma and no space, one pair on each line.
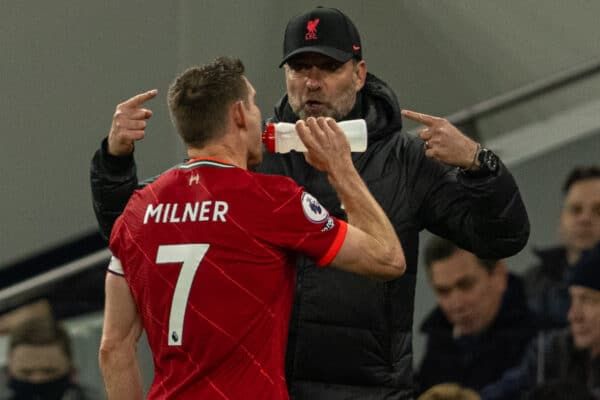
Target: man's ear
239,114
360,74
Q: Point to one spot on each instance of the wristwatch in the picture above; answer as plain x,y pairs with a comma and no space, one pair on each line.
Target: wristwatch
488,163
487,160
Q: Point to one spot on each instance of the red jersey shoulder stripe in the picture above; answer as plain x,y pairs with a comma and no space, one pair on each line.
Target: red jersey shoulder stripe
335,246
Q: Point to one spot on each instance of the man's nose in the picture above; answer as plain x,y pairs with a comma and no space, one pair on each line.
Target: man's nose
585,216
455,301
313,78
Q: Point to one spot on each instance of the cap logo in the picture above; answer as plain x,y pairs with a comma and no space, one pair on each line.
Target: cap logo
355,47
311,29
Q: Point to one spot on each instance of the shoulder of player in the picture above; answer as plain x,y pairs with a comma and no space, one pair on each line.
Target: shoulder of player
157,181
275,183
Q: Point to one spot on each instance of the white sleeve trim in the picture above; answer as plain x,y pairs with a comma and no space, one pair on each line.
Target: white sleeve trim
115,266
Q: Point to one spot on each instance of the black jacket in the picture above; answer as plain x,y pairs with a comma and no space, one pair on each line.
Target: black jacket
350,337
546,285
477,360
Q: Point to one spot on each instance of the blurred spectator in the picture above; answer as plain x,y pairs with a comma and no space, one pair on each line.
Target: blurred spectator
481,325
546,283
40,363
449,391
571,354
38,309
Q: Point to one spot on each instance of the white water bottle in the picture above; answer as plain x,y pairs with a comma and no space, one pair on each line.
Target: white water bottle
281,137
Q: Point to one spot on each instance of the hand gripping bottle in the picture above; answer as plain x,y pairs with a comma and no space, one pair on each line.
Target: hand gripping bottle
281,137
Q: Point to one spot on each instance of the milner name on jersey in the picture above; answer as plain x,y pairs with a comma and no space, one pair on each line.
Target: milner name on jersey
174,213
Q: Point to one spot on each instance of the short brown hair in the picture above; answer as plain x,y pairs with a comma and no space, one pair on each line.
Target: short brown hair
200,97
439,249
41,331
581,173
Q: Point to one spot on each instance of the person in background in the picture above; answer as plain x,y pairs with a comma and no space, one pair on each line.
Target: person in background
39,308
40,364
546,284
481,325
351,337
570,354
219,244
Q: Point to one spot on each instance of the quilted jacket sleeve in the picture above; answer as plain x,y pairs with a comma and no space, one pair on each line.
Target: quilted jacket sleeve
113,180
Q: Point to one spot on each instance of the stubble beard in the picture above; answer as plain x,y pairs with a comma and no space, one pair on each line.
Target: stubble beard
339,108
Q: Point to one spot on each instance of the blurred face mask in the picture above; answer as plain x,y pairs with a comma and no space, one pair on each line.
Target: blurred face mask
49,390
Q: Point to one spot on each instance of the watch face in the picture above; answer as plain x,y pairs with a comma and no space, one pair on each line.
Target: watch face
488,160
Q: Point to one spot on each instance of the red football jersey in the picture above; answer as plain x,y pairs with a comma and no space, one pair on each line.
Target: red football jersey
208,253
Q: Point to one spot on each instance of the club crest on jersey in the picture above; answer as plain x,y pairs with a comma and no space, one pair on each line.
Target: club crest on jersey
313,210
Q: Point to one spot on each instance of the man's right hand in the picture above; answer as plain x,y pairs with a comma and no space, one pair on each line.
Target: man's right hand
128,124
327,146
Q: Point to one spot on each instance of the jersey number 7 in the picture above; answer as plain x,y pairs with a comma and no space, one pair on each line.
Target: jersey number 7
190,255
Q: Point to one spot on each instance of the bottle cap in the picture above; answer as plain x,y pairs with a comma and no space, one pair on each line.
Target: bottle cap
268,137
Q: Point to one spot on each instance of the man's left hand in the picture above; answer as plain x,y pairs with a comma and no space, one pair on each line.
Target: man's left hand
445,142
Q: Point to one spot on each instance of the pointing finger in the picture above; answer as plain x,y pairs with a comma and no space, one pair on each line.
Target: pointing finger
140,99
424,119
